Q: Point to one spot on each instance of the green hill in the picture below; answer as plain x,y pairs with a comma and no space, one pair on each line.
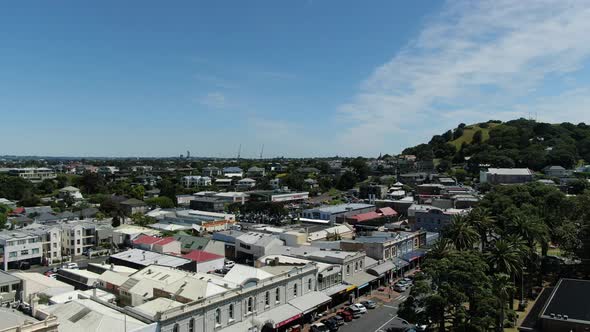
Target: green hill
516,143
468,133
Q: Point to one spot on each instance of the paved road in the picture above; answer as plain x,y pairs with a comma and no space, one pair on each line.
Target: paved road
375,319
82,262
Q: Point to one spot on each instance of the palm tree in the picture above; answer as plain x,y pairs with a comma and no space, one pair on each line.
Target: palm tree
502,288
441,249
533,230
484,223
506,257
461,233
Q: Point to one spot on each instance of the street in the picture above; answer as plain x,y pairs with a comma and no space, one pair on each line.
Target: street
82,262
375,319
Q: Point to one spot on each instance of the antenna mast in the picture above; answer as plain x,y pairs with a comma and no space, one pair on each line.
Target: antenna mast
261,151
239,150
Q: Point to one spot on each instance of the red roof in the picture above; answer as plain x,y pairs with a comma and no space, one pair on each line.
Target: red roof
365,216
146,239
201,256
18,210
165,241
388,212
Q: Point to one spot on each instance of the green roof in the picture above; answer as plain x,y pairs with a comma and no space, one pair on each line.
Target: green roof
190,242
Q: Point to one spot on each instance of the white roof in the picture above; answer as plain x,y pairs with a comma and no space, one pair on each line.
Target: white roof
37,283
113,278
157,305
510,171
241,273
194,288
340,229
170,227
83,273
146,258
77,295
87,315
122,269
133,230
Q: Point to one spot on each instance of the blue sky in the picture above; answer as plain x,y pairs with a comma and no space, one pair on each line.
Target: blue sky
304,78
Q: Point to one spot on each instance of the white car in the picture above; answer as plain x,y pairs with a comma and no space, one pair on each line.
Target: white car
73,266
360,307
228,265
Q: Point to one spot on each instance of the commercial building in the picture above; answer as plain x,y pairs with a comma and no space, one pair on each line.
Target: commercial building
20,248
331,212
211,204
506,175
278,196
139,259
10,288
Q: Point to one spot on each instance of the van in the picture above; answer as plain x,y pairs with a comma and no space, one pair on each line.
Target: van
319,327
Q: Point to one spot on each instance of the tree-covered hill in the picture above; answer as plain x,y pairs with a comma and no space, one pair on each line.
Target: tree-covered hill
516,143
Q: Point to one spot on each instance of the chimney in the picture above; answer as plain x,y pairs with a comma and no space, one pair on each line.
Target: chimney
94,291
112,267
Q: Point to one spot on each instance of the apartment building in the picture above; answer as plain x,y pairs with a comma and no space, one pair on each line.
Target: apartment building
33,174
20,249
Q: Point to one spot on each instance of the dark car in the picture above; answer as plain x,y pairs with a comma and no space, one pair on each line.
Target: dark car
331,324
339,319
346,315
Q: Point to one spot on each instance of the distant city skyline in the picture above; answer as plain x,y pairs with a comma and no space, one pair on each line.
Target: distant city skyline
304,79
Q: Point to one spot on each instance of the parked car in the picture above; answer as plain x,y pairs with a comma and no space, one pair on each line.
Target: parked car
319,327
369,304
228,265
346,315
356,312
24,266
73,266
331,324
360,307
399,288
339,320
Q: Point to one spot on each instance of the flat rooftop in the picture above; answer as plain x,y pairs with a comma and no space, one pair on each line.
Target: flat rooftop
145,258
570,297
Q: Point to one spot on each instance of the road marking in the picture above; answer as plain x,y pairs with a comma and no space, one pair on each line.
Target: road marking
388,306
380,327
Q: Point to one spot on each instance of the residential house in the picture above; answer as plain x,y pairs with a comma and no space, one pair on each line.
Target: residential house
211,171
233,172
20,248
556,171
132,206
246,184
167,245
256,172
35,175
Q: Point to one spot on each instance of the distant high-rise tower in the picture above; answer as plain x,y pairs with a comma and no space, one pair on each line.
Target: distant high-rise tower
188,154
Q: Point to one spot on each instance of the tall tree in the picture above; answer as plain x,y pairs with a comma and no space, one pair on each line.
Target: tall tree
461,233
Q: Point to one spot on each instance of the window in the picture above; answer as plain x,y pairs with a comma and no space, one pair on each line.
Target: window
12,254
347,269
35,250
55,254
294,290
217,317
191,325
78,241
361,265
15,287
78,250
356,266
24,252
4,289
21,241
54,245
267,298
175,329
278,295
309,284
78,232
231,312
249,305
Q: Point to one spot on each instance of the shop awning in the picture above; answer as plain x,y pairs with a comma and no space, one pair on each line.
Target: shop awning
310,301
382,268
399,263
335,289
279,316
413,255
360,279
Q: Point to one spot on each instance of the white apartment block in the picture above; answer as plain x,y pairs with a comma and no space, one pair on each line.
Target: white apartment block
20,247
196,181
34,175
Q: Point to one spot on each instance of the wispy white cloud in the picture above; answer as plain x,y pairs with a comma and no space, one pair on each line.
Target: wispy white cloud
214,100
475,60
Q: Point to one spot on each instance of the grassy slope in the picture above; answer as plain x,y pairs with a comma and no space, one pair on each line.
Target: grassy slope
468,134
